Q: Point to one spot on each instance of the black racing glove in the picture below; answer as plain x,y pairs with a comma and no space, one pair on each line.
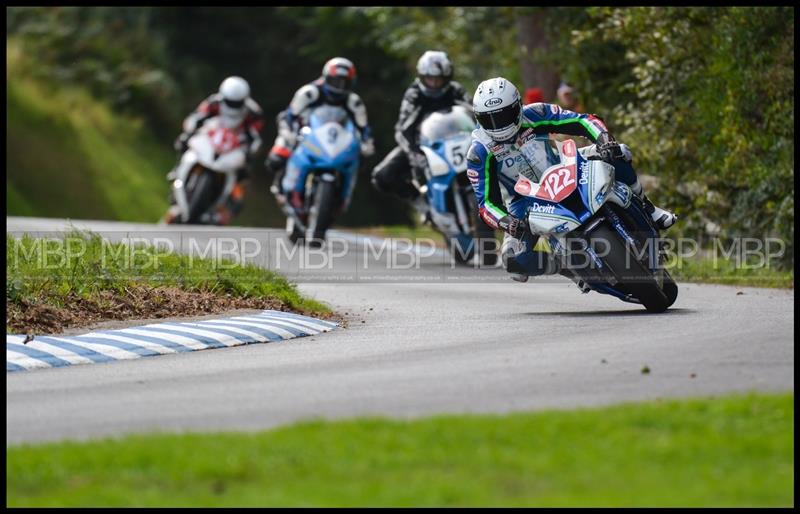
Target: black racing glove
608,148
515,227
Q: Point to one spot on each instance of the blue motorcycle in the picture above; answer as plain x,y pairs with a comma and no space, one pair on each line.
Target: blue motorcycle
595,224
445,138
322,170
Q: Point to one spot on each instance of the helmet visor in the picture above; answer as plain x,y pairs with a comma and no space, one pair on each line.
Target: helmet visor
433,81
501,118
338,84
234,104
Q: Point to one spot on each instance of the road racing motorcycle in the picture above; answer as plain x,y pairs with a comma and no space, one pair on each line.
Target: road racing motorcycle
206,172
445,138
324,168
596,225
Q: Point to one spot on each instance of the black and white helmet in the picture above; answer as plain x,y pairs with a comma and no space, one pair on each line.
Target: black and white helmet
498,108
234,91
435,71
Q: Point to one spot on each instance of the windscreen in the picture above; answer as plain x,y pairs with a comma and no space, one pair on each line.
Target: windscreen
441,125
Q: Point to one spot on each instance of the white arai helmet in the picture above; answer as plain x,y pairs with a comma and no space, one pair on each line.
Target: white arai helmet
234,91
498,108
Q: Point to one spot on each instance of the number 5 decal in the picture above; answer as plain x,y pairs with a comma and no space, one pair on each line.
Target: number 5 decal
456,155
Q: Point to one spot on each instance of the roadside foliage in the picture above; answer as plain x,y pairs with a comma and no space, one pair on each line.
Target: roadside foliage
704,95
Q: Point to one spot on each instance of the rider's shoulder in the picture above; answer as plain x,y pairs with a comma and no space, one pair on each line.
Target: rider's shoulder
413,92
253,106
479,148
210,104
308,92
538,110
481,137
212,99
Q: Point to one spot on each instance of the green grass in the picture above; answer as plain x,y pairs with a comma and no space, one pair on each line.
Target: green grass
727,272
735,450
69,155
47,270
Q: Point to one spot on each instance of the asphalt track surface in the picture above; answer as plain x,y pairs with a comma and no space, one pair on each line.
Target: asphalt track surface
422,338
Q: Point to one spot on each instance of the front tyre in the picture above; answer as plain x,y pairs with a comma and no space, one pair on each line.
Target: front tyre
670,288
201,195
631,275
321,214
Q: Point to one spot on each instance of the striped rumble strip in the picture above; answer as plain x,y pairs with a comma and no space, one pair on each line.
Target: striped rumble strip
158,339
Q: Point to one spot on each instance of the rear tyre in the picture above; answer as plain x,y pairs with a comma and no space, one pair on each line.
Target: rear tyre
631,275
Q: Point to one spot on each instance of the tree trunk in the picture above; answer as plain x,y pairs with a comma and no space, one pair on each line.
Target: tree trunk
532,40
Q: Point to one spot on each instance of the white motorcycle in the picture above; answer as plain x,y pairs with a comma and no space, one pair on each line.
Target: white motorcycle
206,172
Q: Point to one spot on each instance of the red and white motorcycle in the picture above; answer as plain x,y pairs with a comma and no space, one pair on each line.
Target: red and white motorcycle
206,173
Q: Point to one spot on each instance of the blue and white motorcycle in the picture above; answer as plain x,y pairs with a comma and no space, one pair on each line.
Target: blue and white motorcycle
322,171
445,138
596,225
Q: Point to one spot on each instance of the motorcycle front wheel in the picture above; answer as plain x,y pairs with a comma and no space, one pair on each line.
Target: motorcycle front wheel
321,214
630,274
201,195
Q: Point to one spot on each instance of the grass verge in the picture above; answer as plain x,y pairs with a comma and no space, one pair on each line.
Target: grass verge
79,279
70,155
727,272
733,450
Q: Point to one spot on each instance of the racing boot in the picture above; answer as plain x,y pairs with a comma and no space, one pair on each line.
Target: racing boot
662,218
173,212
